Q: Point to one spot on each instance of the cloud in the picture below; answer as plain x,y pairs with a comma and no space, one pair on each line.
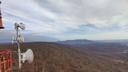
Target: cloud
60,18
97,36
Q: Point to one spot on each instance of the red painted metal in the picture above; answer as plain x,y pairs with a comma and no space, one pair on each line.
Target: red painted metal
5,61
1,23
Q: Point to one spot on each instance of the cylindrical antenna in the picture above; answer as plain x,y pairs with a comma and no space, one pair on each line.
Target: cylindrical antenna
18,39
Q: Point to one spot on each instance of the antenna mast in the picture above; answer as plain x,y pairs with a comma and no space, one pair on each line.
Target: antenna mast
19,39
26,56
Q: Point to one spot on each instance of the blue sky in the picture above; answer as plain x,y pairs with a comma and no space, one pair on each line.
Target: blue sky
69,19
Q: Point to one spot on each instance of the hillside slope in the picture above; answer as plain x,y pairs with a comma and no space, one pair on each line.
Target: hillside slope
52,57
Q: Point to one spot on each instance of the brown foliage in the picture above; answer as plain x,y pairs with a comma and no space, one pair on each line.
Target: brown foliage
52,57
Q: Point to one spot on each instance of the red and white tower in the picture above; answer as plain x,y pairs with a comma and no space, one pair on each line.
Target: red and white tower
1,23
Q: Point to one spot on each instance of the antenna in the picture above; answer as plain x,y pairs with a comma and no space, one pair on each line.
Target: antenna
1,24
26,56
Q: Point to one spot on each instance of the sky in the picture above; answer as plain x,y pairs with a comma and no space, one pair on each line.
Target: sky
68,19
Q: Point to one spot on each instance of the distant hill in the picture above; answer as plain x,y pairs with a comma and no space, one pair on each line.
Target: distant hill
77,42
121,41
52,57
86,42
98,46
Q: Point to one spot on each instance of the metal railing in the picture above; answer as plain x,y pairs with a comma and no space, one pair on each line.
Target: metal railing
5,60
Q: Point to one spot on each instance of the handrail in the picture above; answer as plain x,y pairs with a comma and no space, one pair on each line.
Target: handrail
5,60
